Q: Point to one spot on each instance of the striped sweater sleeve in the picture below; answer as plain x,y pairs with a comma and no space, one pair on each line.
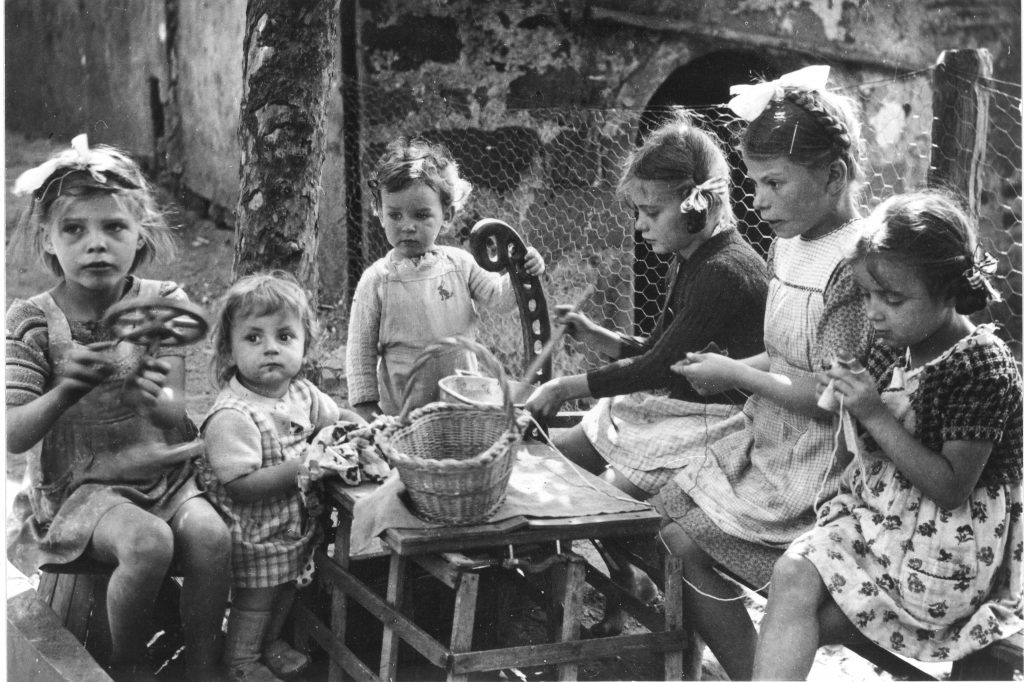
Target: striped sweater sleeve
27,360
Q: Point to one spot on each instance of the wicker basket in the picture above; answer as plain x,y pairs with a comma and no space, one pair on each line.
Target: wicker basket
455,460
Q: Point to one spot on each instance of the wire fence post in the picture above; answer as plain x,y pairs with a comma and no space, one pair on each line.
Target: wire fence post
960,123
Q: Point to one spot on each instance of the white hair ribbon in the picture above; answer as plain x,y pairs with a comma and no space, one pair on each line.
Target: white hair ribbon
750,100
977,275
79,157
701,196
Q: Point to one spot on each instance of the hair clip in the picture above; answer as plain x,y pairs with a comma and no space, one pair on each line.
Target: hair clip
977,275
703,195
750,100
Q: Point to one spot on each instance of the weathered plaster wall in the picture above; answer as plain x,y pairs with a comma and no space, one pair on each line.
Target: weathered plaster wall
209,73
74,67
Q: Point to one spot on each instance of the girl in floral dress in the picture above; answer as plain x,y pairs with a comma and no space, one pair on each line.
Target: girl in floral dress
921,549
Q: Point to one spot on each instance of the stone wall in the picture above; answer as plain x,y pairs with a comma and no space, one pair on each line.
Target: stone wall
478,72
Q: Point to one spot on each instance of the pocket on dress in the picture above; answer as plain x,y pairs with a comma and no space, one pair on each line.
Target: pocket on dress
938,592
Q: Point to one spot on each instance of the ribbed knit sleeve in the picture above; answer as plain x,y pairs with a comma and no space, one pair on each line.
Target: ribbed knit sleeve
719,295
364,336
27,362
491,290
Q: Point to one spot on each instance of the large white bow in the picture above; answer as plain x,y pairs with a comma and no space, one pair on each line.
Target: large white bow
750,100
79,157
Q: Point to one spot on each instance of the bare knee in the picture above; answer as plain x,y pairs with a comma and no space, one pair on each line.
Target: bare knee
146,543
202,540
796,580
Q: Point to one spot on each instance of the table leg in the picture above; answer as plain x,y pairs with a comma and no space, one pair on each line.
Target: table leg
395,597
685,663
568,591
464,618
339,600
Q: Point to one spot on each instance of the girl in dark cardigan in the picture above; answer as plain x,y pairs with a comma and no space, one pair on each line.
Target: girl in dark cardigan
678,184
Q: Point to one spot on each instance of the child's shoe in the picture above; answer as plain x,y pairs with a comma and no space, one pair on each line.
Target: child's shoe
284,661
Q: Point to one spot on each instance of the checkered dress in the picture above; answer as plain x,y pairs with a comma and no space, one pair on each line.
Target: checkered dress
760,482
273,537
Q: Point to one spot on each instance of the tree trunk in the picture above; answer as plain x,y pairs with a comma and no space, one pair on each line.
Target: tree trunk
290,56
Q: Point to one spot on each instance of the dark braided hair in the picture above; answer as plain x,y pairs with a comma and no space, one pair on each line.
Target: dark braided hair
810,127
929,232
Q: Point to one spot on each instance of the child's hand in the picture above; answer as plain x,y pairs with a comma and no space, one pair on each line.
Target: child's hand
533,262
368,411
857,389
144,389
708,373
577,325
545,401
86,368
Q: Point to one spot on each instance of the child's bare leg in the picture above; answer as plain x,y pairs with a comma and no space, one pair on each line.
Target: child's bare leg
725,626
203,550
140,546
790,632
575,445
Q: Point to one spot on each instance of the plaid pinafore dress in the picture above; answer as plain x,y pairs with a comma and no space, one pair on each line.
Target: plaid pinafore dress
759,483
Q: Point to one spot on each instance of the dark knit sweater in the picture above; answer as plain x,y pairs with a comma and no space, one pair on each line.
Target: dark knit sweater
718,294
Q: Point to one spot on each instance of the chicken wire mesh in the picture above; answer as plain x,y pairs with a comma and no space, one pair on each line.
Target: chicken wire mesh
552,173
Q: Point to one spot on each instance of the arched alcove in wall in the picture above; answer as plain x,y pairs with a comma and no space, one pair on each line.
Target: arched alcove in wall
700,84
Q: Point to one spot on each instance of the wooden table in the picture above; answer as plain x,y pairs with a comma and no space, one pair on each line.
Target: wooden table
439,550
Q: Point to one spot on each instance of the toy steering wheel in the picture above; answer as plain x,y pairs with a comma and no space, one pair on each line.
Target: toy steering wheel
156,322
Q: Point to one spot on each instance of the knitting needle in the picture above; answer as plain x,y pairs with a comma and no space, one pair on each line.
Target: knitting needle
556,336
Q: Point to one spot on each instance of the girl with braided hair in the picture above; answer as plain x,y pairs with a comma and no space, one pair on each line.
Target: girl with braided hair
752,486
921,549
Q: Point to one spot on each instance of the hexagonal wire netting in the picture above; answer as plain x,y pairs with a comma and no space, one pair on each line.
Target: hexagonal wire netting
551,174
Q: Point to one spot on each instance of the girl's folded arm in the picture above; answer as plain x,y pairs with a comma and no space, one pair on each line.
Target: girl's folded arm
948,477
272,481
234,450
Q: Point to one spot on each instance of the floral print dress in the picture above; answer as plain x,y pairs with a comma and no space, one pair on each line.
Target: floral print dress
921,580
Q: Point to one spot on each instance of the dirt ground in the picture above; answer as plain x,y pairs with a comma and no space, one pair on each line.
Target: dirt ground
202,267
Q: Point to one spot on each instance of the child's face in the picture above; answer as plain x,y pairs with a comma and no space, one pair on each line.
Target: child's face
95,241
268,351
793,199
413,218
658,220
898,304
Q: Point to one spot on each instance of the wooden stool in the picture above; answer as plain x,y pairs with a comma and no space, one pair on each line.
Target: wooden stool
77,594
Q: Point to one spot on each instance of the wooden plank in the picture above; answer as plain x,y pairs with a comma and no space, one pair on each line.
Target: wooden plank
570,597
395,597
520,530
39,648
411,633
334,647
463,619
685,662
339,601
561,652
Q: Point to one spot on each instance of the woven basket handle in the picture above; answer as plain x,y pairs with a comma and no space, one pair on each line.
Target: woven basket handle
486,358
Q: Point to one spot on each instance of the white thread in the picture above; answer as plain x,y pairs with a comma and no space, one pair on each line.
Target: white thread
724,577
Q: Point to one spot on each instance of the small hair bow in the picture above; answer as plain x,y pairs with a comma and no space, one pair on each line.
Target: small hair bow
750,100
78,158
977,275
702,196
